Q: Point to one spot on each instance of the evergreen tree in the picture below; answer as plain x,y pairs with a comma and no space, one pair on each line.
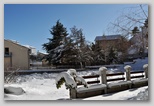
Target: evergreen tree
81,50
98,54
112,55
56,45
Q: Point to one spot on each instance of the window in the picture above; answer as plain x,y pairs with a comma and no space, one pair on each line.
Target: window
6,51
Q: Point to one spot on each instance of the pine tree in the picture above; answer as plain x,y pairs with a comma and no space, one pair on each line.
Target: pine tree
98,54
56,45
112,55
81,53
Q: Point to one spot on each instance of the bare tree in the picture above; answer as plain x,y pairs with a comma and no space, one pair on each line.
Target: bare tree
82,54
129,18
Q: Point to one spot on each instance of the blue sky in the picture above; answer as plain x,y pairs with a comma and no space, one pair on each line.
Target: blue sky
29,24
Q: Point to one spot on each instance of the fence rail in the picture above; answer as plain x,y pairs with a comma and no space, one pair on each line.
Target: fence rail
108,83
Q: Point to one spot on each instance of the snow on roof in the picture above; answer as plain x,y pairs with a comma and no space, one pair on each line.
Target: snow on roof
41,52
108,37
15,42
30,47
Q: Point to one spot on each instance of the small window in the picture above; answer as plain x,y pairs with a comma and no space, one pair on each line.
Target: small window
6,51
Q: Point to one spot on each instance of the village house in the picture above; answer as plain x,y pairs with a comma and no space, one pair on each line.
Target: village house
107,41
41,57
39,60
16,55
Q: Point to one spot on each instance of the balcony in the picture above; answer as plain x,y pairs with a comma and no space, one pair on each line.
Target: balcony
9,54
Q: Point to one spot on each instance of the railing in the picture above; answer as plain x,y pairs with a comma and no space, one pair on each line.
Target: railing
8,54
114,82
91,77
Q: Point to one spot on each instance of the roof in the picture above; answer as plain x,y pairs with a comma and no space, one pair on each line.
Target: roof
108,37
17,43
30,47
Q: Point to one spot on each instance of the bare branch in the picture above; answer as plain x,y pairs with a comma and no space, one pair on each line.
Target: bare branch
143,11
128,20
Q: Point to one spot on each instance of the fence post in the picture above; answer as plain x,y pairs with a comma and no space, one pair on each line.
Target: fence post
102,71
145,67
73,93
128,69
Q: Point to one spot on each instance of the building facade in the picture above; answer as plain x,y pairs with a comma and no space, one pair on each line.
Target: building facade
16,55
108,41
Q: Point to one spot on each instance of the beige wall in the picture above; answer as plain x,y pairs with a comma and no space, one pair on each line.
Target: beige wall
20,55
7,62
106,43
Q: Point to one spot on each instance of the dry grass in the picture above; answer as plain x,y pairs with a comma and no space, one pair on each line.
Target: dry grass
11,75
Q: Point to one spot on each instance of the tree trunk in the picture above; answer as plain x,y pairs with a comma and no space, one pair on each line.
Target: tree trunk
81,65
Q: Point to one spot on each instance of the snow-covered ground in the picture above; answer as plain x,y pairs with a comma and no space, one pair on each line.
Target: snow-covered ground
39,87
43,87
132,94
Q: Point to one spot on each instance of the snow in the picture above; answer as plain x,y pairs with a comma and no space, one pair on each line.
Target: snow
69,80
102,69
81,80
132,94
57,52
140,80
137,64
39,89
119,84
138,41
72,72
43,86
127,67
145,66
91,88
132,50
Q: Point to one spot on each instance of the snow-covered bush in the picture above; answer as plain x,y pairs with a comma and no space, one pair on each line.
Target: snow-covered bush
72,72
67,78
81,80
70,78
